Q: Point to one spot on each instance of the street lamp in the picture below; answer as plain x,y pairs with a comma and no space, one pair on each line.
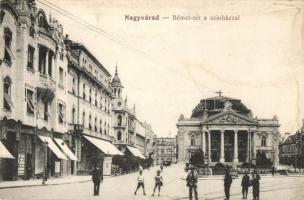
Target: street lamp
45,144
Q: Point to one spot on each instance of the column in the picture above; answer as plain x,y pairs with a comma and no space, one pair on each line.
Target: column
46,62
235,159
222,157
253,145
204,142
209,146
248,146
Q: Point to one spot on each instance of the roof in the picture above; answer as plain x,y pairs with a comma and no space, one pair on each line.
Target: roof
76,49
116,80
215,105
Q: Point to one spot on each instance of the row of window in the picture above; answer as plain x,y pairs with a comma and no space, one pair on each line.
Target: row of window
93,72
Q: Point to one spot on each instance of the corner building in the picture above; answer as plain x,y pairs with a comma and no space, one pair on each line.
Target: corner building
225,130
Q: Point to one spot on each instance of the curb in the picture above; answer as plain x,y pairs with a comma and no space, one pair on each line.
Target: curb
36,185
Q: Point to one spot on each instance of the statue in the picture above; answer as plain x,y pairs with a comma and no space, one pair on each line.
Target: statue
227,106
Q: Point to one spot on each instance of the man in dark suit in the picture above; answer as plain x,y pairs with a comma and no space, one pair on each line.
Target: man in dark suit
97,177
227,184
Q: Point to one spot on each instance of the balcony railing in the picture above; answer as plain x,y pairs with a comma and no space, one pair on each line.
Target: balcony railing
47,81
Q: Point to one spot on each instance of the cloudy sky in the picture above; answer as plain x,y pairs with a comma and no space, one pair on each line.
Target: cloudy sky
167,66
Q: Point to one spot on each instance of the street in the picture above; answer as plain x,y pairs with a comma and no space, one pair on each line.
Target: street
122,187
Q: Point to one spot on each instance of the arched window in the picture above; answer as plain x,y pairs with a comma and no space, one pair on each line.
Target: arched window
119,120
7,94
83,118
90,97
114,91
90,122
73,115
96,102
105,127
263,141
118,135
192,140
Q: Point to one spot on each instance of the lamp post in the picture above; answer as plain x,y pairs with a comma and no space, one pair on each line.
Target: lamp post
45,144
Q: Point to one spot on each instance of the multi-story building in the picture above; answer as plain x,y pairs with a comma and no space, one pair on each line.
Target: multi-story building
33,68
150,138
124,120
165,150
292,149
89,110
140,137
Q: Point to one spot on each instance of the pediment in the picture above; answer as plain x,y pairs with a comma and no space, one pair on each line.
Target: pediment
229,117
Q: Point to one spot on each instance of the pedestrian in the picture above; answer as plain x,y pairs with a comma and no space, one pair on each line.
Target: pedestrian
245,185
140,182
191,179
97,177
256,185
158,182
272,170
227,184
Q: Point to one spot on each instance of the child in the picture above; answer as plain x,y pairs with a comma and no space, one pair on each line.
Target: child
158,182
140,182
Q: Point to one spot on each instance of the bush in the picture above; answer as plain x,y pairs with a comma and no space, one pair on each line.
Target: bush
197,158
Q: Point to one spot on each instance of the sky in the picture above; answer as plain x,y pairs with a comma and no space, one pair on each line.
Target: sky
167,66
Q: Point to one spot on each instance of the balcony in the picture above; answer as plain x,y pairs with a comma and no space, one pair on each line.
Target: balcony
122,125
47,82
119,142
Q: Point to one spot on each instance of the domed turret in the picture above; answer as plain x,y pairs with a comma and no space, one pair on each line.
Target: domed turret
116,85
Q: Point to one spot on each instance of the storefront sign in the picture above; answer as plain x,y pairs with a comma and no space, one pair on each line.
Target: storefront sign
21,163
107,166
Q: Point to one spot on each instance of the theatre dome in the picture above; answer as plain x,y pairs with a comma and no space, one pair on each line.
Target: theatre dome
215,105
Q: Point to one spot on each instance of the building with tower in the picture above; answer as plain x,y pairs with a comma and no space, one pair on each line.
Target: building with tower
124,120
226,131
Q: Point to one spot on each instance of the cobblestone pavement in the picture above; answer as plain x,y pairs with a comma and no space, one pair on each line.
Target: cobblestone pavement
122,188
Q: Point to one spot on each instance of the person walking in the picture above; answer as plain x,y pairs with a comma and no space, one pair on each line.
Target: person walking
245,185
140,182
273,170
158,182
192,182
256,185
97,177
227,184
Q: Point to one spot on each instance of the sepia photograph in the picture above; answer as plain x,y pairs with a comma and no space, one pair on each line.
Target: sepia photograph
151,99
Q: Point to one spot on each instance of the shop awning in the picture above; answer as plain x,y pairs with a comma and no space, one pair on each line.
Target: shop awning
136,152
65,149
4,153
53,147
105,146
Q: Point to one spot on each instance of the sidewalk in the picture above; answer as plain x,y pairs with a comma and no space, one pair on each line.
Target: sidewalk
50,181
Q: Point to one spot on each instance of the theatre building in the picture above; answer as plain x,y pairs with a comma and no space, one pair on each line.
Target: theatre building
226,131
33,68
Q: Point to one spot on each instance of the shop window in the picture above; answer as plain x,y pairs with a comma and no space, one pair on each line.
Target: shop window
263,141
60,113
29,102
30,57
7,101
8,55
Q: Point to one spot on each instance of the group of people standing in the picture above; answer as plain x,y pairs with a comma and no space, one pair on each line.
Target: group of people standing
246,183
192,178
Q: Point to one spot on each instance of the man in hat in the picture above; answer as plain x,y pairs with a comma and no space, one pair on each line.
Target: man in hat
245,185
97,177
192,182
256,185
227,184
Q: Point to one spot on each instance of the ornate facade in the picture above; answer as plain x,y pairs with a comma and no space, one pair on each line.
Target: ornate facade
225,130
